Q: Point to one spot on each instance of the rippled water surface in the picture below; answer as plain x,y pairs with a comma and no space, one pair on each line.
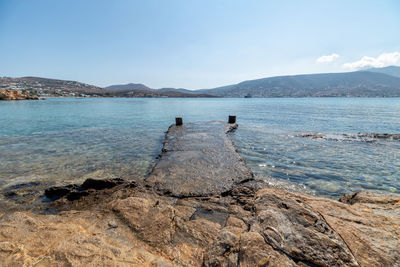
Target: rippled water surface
61,141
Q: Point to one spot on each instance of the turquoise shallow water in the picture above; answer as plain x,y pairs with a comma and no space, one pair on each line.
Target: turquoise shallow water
62,141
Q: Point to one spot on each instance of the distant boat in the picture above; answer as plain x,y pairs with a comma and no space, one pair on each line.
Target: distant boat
248,96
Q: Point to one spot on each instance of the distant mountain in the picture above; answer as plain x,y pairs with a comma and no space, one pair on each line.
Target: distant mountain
180,90
155,93
376,82
52,87
348,84
391,70
129,86
49,87
139,86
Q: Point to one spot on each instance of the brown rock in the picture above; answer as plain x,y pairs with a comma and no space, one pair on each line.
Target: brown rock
283,229
298,231
69,239
372,233
235,222
370,227
384,204
16,95
255,252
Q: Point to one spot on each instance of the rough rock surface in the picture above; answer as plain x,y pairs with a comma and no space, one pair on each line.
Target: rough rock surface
129,224
16,95
198,159
269,227
370,232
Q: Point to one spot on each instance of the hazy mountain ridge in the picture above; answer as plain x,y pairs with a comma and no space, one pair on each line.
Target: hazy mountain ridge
53,87
129,86
375,82
181,90
391,70
140,86
49,87
155,93
347,84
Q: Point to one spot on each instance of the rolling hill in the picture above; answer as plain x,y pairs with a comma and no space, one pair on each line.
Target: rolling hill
49,87
347,84
139,86
391,70
129,86
375,82
53,87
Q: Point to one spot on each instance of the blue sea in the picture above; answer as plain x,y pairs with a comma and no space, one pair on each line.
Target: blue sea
60,141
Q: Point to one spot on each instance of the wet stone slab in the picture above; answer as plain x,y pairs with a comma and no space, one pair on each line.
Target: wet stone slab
198,159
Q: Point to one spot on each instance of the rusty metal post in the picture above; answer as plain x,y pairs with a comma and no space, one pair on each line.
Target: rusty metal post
178,121
232,119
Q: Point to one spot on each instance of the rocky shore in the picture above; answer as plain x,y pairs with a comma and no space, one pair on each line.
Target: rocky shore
16,95
170,220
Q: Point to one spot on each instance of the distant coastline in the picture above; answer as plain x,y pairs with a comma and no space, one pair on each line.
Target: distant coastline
377,82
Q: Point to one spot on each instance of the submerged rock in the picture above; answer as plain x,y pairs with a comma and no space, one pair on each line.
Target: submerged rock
24,194
74,192
342,137
57,192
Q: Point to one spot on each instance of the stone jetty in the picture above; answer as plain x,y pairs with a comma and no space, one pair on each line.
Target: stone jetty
198,159
200,206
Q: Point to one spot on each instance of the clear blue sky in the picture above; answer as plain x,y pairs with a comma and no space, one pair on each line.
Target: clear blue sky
193,44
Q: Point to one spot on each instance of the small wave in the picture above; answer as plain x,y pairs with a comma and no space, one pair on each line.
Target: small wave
342,137
262,180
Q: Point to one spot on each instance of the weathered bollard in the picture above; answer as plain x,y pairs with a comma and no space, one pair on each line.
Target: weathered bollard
232,119
178,121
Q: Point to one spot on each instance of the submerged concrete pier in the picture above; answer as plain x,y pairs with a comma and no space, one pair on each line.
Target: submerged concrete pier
199,159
